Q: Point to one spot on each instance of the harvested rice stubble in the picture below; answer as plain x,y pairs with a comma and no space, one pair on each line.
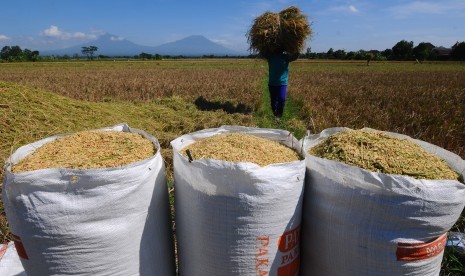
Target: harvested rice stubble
380,152
89,150
239,147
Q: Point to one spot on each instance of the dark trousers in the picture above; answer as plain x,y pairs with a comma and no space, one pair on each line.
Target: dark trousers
278,98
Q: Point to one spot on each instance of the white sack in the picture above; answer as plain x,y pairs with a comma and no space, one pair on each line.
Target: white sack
357,222
230,216
10,265
113,221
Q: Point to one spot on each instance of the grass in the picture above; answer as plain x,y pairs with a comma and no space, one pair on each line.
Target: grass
451,265
291,119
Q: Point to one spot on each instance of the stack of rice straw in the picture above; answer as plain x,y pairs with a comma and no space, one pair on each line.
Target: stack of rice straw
273,33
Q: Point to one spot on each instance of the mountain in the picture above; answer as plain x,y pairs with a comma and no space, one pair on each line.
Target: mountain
195,45
111,45
108,45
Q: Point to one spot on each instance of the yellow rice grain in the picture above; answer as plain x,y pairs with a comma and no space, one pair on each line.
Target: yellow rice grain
239,147
89,150
380,152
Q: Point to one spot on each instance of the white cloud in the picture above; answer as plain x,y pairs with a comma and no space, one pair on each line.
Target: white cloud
116,38
96,31
55,32
227,42
347,9
220,41
4,37
422,7
353,9
52,31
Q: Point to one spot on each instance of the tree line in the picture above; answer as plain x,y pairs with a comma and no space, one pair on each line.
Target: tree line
402,51
15,53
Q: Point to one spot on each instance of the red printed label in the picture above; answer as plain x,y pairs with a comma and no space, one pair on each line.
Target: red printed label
19,247
289,240
290,263
3,250
289,245
421,251
261,257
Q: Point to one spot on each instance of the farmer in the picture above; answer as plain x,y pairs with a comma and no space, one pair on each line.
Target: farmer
278,71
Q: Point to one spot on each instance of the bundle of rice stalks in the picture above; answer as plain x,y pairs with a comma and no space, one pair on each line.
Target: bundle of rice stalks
380,152
285,31
238,147
89,150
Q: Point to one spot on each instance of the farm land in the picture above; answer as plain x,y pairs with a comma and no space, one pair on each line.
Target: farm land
170,98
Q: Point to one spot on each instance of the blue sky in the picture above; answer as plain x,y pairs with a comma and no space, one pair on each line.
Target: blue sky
338,24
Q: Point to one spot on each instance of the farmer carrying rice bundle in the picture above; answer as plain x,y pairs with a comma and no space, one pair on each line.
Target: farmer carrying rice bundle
279,38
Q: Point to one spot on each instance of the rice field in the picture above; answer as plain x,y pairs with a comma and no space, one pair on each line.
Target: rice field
234,81
425,101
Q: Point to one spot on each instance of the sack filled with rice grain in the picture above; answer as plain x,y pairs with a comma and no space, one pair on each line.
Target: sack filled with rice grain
93,202
273,33
377,203
238,201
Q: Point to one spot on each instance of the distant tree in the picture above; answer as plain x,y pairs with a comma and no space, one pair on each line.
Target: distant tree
339,54
145,56
308,53
330,53
387,54
360,55
35,55
29,55
458,51
12,53
370,56
158,57
423,51
5,52
321,55
350,55
403,50
89,51
16,53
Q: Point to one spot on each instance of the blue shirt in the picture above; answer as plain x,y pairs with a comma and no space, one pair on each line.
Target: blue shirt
278,68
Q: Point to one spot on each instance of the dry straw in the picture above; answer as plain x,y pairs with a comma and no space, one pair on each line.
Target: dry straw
273,33
379,152
89,150
239,147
